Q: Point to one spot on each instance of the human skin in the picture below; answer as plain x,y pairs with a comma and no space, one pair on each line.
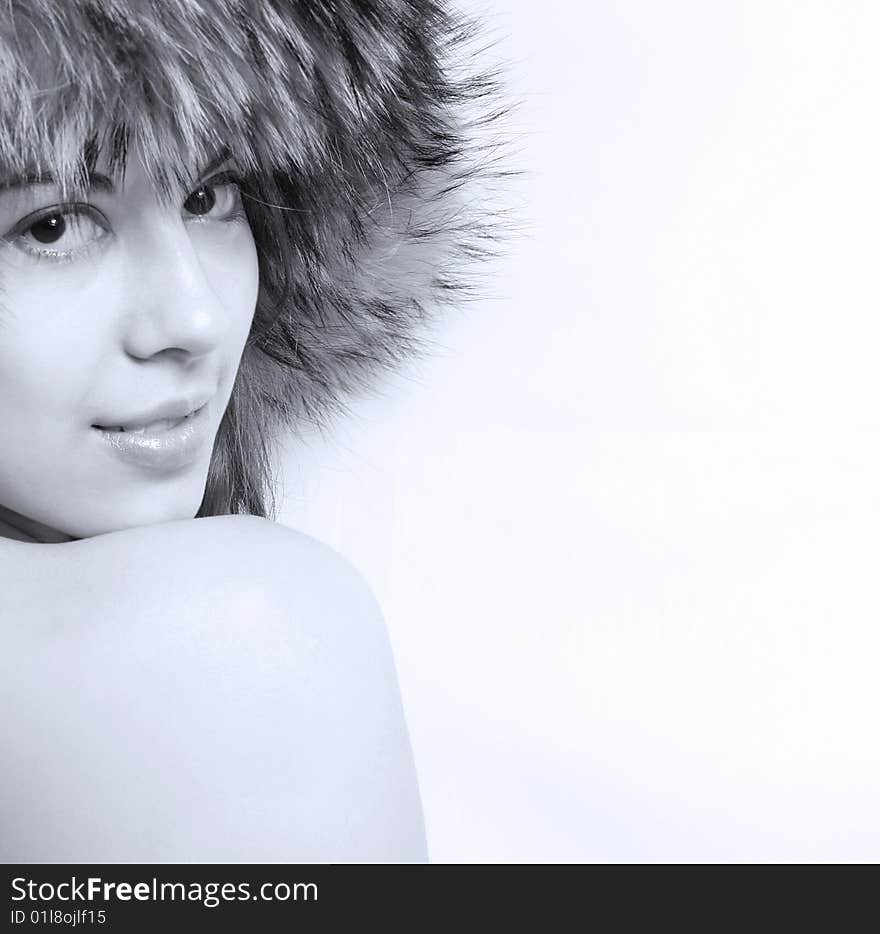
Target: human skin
220,690
147,302
178,691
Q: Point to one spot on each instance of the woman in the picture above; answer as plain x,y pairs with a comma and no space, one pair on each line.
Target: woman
217,220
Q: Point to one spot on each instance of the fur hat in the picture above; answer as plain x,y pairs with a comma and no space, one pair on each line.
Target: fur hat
356,124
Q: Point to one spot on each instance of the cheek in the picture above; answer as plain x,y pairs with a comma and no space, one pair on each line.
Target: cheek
229,260
49,345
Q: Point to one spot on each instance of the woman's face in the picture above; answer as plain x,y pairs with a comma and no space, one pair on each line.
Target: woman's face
118,311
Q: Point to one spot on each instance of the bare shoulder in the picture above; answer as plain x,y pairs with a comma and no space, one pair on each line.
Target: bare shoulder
246,672
225,571
231,546
226,568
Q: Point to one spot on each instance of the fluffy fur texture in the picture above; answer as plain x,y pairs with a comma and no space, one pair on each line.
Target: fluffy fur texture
357,124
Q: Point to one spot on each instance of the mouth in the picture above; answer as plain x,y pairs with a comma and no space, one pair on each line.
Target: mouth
157,426
163,446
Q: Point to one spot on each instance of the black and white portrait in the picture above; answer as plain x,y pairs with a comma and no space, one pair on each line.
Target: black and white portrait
438,431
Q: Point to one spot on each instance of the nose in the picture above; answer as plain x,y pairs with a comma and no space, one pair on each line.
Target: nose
172,306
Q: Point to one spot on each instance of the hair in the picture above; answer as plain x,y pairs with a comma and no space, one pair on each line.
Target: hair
356,127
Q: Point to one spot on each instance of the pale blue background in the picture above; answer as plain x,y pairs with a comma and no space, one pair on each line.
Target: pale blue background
624,525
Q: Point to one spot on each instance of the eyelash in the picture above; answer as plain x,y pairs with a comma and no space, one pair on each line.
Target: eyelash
221,181
66,256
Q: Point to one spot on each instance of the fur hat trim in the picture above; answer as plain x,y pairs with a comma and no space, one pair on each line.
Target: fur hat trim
358,128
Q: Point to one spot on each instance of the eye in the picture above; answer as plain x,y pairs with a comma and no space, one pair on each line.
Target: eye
59,233
219,198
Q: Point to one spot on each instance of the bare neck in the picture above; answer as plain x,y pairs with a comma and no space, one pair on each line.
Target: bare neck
22,529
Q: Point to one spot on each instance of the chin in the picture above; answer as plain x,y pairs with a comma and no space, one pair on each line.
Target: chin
165,503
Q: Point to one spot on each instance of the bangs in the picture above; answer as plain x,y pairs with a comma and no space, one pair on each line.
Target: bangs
180,80
368,134
68,152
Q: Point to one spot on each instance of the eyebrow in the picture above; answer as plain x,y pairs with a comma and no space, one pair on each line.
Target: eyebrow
95,180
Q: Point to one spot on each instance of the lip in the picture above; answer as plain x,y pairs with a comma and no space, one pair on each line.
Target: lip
173,408
162,449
